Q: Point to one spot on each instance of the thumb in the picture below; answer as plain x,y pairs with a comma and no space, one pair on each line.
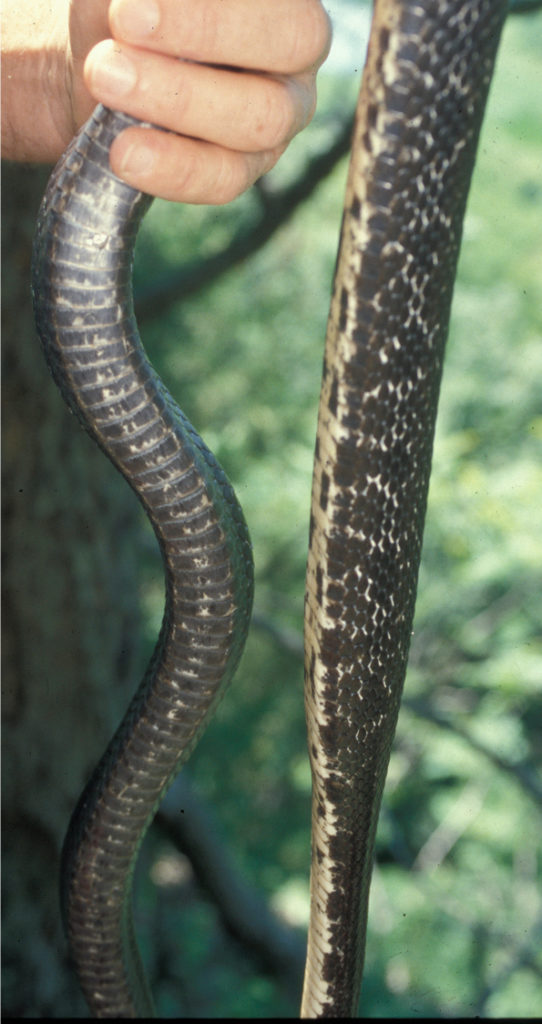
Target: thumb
88,25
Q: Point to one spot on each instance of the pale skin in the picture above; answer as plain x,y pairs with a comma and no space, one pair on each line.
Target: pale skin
232,81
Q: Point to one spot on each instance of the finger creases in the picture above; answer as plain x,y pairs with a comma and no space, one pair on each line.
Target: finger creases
277,36
183,169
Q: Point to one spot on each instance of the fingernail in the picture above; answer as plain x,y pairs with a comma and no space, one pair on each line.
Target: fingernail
138,159
114,74
135,19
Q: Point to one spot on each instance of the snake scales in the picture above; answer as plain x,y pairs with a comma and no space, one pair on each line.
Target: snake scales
422,99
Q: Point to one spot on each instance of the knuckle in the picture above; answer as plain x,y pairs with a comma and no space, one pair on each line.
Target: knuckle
276,123
180,168
322,33
181,95
188,179
201,31
312,42
231,178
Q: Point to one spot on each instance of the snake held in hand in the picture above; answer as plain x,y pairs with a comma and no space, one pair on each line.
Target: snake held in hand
423,94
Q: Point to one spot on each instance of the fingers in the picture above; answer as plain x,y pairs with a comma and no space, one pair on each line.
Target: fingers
185,170
232,81
278,36
240,111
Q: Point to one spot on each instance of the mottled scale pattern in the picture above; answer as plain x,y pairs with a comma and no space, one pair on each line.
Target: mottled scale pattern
423,93
82,268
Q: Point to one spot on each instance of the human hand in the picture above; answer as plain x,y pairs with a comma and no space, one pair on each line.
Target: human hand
232,81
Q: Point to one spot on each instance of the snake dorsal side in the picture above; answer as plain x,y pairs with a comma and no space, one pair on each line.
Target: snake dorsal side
423,94
422,99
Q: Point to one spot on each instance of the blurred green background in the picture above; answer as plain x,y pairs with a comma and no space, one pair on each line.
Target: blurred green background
456,908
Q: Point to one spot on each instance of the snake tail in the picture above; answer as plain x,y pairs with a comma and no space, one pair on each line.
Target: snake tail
423,94
81,281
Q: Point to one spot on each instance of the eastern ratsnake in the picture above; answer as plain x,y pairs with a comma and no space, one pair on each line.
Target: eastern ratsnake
422,99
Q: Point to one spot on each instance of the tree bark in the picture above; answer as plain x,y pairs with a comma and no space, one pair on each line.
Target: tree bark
71,655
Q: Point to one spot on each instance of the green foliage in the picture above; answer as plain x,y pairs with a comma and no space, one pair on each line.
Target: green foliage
456,902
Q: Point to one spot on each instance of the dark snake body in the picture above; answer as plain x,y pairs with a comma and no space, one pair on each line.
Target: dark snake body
419,114
82,294
421,104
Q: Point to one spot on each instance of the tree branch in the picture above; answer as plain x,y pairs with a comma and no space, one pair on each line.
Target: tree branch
190,825
523,6
522,771
276,208
288,640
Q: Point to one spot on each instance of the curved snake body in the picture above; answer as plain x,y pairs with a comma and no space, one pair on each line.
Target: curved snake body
82,295
422,99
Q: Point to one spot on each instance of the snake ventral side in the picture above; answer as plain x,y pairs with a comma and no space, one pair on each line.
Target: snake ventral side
421,103
82,294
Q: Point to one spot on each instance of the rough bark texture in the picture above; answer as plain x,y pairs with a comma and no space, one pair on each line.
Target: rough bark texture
70,651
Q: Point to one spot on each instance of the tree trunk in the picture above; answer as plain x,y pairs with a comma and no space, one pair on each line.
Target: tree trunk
71,655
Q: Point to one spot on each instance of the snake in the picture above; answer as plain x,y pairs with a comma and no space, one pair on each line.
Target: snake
423,93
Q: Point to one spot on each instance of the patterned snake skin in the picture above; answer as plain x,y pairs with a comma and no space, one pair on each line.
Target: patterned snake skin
422,99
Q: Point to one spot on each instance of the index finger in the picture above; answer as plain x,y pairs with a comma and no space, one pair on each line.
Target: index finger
277,36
